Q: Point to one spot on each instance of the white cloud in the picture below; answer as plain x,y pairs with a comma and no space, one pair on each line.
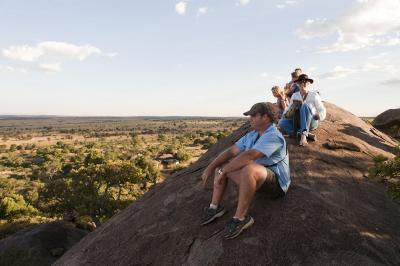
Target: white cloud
243,2
337,72
202,11
318,27
22,53
180,8
53,50
62,49
6,68
371,23
285,4
111,54
50,67
49,56
380,63
393,81
380,56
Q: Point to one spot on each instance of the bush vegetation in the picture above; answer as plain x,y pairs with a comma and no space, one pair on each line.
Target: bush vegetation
388,171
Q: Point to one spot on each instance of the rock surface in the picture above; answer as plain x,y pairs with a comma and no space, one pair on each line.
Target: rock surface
331,215
388,118
41,245
389,122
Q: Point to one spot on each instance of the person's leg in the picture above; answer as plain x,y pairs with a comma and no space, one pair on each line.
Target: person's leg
216,210
271,186
314,124
219,187
251,178
305,119
286,125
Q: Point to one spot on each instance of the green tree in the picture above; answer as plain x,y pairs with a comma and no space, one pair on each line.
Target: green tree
94,190
148,171
13,206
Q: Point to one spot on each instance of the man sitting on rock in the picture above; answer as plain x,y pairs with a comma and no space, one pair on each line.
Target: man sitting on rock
310,108
257,162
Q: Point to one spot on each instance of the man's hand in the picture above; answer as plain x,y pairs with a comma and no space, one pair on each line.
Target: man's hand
220,175
207,172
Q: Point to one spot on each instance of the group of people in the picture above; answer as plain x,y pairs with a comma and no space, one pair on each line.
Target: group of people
259,161
300,109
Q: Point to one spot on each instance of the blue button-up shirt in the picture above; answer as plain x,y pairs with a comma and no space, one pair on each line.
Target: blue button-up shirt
273,145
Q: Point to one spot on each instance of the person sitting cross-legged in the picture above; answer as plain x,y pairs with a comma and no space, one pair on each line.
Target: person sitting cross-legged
309,107
257,162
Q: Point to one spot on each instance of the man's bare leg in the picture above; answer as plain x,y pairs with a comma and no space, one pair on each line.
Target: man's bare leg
252,177
220,187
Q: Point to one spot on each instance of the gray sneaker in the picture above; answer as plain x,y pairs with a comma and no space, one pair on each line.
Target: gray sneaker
212,214
234,227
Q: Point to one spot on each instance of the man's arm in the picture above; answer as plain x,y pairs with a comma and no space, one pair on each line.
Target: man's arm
220,160
242,160
320,107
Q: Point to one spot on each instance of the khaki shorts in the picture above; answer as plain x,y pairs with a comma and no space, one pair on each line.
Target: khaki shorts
271,185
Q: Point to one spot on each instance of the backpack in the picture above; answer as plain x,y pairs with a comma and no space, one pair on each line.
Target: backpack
293,108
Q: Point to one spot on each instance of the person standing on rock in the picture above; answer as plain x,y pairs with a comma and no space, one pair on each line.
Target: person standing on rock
259,161
310,108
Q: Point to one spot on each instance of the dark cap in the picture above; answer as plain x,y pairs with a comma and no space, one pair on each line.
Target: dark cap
262,108
258,108
304,77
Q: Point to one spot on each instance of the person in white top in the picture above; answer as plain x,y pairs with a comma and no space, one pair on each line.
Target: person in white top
311,110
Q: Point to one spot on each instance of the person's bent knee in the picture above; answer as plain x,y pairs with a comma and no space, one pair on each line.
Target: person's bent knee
251,171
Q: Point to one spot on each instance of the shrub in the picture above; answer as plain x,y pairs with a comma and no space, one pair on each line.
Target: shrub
3,148
182,155
178,168
161,137
169,149
209,141
13,206
394,190
388,171
13,147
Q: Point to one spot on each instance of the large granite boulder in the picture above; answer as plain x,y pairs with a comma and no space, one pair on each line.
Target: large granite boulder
331,215
41,245
389,122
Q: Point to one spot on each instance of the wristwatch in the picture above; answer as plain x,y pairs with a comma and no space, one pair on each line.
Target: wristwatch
220,171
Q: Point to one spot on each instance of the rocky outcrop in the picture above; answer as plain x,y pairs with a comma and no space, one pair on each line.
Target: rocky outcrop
331,215
41,245
389,122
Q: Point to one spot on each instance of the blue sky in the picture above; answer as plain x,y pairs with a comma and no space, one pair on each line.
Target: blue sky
194,57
